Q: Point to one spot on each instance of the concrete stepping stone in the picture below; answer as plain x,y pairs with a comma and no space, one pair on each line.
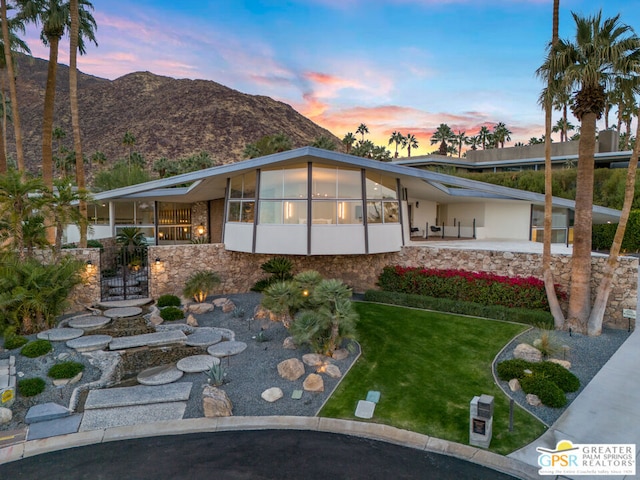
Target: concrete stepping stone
160,375
197,363
203,337
60,334
137,395
297,394
90,343
122,312
88,322
53,428
373,396
133,415
46,411
226,349
365,409
148,339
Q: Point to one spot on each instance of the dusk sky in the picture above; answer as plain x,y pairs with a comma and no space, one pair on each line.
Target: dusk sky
405,65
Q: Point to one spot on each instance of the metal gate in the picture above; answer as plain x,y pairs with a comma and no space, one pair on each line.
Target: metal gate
124,273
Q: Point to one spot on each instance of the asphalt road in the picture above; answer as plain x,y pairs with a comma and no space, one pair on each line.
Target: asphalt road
273,454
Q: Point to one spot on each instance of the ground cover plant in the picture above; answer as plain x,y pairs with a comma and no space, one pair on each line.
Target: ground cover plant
168,301
65,370
30,387
36,348
12,342
428,366
484,288
170,314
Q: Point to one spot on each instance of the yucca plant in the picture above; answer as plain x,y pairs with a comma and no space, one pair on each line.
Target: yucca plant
200,284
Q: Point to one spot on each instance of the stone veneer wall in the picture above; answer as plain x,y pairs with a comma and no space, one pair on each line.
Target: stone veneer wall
199,215
239,271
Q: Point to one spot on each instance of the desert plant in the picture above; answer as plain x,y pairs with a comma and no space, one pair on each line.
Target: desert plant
30,387
283,299
563,378
65,370
169,314
168,301
546,342
11,342
216,375
513,368
200,284
36,348
280,270
547,391
238,312
261,337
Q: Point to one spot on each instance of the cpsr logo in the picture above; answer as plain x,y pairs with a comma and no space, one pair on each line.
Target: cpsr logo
587,459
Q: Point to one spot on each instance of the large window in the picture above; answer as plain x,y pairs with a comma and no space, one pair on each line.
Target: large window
382,199
132,213
242,194
174,223
98,213
334,194
283,196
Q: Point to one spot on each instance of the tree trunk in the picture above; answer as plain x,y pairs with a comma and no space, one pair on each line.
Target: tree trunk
3,150
47,117
547,274
75,116
604,288
12,86
580,292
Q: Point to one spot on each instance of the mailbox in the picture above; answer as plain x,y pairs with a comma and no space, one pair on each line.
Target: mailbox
481,421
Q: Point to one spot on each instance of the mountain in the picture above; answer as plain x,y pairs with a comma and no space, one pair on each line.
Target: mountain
168,117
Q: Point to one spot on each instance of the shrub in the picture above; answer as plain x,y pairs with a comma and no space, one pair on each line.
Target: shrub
95,244
513,368
29,387
15,341
168,301
200,284
170,314
36,348
280,270
518,315
262,284
559,375
65,370
460,285
547,391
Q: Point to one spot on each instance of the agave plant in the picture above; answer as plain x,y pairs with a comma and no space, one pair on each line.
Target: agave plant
200,284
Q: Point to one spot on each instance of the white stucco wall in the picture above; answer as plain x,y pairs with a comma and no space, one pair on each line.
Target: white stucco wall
96,232
337,239
508,220
238,237
426,212
385,238
281,239
466,213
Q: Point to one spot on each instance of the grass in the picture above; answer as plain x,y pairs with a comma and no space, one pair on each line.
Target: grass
428,366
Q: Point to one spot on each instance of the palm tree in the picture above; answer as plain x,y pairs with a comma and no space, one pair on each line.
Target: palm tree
8,62
324,142
460,139
61,207
501,134
59,134
601,52
362,129
473,142
410,141
563,127
348,140
398,139
484,135
128,141
442,135
54,16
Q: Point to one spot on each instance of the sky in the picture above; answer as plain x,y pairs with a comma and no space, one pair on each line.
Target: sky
394,65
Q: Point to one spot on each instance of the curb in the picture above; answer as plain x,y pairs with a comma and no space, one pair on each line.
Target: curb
372,431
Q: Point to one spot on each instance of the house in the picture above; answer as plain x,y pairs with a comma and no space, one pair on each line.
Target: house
310,201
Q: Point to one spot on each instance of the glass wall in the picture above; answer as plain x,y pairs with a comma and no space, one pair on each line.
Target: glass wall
174,223
561,224
283,196
336,196
242,203
98,213
382,199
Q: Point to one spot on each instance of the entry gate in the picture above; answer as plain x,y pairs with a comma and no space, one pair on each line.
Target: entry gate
124,273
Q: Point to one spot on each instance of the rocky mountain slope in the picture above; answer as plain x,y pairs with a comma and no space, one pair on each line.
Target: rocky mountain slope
168,117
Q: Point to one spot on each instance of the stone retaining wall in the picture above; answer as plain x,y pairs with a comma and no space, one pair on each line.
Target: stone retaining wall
239,271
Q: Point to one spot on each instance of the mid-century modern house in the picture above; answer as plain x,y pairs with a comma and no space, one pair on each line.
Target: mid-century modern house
310,201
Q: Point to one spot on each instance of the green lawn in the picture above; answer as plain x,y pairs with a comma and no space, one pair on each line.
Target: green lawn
428,366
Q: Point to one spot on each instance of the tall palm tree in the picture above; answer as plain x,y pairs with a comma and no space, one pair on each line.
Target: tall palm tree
362,129
442,135
61,207
602,51
484,134
397,138
8,59
564,127
348,140
501,134
129,140
460,139
410,141
474,142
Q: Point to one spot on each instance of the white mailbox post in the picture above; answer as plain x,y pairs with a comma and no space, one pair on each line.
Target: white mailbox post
481,421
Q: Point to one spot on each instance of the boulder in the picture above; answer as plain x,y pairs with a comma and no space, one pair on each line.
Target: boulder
313,383
200,308
514,385
218,302
315,359
528,353
261,313
340,354
192,321
156,319
272,394
216,403
565,363
332,370
289,344
228,307
533,400
5,415
58,382
291,369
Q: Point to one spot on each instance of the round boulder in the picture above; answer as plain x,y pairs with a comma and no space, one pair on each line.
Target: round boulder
291,369
5,415
313,383
272,394
528,353
216,403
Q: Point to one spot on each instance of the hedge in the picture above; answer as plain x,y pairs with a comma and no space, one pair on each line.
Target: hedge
518,315
602,235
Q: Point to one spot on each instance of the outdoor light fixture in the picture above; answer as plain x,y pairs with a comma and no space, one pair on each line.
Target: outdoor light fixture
200,229
417,204
157,260
89,263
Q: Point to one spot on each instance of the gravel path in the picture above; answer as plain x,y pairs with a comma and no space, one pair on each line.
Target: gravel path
586,354
248,374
